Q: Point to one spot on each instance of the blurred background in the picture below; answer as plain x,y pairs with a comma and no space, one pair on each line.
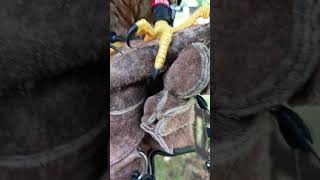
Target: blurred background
186,8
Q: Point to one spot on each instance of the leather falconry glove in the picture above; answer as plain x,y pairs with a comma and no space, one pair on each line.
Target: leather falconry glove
166,114
169,114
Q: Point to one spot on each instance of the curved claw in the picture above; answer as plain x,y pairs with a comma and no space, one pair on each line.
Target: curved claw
131,32
155,73
115,48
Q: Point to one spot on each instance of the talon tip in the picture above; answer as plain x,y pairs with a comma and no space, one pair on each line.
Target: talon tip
115,48
155,73
131,32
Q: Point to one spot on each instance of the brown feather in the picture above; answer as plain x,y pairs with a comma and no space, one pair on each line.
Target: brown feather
124,13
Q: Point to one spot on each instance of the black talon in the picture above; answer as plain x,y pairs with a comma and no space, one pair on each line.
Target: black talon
131,32
202,103
155,73
115,48
113,37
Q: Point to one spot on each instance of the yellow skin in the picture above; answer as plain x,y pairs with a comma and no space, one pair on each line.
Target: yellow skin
163,31
117,44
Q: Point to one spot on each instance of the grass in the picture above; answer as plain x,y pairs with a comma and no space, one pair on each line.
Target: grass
183,167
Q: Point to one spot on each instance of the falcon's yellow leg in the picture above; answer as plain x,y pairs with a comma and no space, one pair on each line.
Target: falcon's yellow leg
164,32
145,29
203,12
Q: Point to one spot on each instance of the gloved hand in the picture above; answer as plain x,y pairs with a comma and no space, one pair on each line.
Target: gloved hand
168,115
187,76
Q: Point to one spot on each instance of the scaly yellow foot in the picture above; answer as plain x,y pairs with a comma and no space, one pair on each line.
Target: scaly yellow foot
163,31
142,28
145,29
203,12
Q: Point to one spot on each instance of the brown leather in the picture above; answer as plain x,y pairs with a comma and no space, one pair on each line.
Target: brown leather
254,164
164,115
172,110
167,116
265,51
189,75
310,93
235,138
125,132
52,89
